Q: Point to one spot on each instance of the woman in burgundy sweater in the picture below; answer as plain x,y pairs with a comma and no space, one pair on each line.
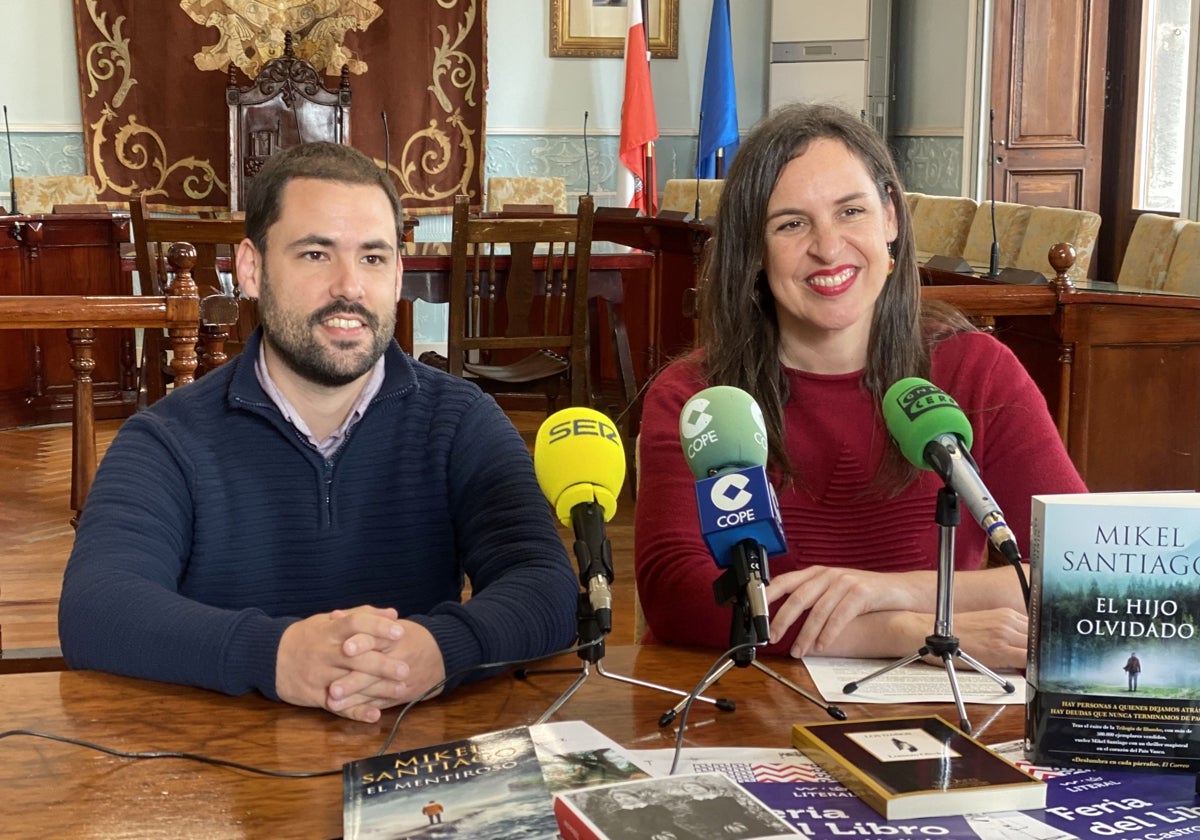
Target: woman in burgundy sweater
812,305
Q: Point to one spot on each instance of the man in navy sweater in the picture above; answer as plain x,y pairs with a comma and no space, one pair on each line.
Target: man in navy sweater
300,521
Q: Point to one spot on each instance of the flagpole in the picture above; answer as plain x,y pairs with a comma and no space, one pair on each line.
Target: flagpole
639,127
718,97
651,182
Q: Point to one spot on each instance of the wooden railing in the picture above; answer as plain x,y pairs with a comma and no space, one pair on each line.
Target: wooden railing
178,312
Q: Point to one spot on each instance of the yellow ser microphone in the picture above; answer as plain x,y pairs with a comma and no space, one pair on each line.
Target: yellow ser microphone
580,465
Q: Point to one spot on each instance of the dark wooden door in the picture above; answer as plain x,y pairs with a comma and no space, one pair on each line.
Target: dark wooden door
1048,65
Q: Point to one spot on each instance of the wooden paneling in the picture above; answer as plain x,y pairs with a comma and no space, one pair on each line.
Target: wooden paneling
1133,408
63,255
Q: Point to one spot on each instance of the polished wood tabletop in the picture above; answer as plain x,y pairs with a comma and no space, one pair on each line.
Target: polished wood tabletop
52,789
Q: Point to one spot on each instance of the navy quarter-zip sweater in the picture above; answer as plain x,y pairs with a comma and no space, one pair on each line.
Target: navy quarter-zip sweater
212,525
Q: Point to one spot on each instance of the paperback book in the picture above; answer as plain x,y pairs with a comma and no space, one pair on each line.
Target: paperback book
488,787
908,767
1091,804
699,806
1113,679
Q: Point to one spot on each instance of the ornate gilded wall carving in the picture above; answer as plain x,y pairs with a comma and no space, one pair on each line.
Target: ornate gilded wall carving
153,89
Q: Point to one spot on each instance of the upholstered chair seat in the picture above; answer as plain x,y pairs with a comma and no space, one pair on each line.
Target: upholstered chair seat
1183,274
941,224
679,195
1149,251
1050,225
1011,222
41,193
526,191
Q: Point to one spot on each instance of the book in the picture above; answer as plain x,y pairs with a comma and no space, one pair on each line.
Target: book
496,785
694,806
1093,804
1112,675
907,767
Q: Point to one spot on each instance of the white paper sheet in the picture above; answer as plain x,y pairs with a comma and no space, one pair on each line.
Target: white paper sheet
914,683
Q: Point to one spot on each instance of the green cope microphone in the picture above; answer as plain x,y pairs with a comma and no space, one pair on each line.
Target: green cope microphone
722,429
724,439
933,433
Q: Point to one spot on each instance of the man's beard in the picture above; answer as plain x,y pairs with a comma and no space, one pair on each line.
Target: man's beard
291,337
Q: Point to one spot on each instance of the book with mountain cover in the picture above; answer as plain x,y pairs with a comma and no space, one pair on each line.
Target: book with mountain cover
1113,638
493,786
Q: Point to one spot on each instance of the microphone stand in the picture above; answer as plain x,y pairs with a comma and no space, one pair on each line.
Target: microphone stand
994,263
943,642
12,172
733,586
699,143
587,161
593,553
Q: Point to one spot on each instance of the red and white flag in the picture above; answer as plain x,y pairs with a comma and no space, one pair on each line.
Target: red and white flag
639,126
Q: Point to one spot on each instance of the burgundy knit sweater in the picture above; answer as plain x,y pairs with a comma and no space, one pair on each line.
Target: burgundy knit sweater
832,516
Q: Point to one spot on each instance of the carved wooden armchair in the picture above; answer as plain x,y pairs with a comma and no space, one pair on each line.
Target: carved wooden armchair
286,105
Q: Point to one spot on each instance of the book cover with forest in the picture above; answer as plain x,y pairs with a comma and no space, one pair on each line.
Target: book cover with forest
1114,647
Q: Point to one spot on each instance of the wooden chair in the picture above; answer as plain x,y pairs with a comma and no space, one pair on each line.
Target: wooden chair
605,307
287,104
518,302
229,318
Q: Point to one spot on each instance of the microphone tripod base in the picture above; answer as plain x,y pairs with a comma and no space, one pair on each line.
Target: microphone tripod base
669,716
591,637
945,647
942,642
721,703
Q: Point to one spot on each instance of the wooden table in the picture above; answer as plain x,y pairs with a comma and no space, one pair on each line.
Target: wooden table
58,790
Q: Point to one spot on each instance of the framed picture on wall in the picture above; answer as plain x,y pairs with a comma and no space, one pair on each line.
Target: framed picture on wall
597,28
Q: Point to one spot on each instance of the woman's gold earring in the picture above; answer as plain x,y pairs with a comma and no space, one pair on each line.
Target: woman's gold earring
891,264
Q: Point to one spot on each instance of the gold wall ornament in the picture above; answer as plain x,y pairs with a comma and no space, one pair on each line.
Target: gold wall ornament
104,58
428,153
450,62
199,176
251,32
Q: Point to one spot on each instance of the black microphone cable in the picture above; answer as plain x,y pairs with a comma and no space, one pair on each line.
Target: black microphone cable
274,773
700,686
433,689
